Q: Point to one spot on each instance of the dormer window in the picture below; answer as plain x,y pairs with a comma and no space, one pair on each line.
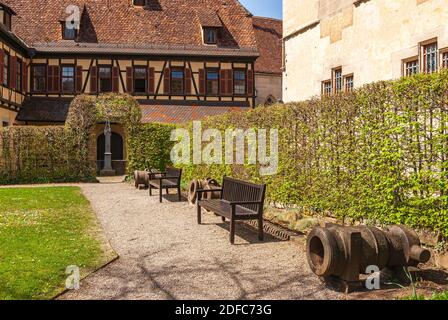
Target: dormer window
69,31
210,35
6,14
139,3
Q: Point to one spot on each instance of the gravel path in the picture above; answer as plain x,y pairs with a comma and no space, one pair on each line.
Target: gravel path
164,254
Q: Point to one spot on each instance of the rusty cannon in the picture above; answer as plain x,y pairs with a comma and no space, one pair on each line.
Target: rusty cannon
345,253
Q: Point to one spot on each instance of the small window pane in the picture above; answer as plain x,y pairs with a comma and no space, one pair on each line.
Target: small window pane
327,88
239,80
430,58
210,36
349,83
338,80
68,78
177,81
212,82
445,60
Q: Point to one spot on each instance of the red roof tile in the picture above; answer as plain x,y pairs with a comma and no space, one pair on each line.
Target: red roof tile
183,113
162,22
268,33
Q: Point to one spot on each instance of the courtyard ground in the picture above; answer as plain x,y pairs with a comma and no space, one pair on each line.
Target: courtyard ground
165,254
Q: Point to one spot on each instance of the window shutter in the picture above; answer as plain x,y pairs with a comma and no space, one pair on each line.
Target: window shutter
12,72
115,79
230,82
151,81
166,81
56,78
250,82
24,77
188,81
202,82
2,63
223,82
78,80
93,79
129,80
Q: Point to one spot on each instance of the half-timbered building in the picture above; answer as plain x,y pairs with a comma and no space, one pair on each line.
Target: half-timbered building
181,59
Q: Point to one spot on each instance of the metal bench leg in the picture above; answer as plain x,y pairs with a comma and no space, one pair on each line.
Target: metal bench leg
232,231
199,213
179,194
150,191
160,194
260,229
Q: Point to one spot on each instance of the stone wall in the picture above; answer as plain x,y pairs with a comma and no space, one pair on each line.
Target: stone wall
369,39
268,85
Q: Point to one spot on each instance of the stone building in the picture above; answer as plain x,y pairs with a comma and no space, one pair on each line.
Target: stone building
335,45
268,67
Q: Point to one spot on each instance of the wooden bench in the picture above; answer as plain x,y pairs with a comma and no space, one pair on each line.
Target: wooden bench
239,200
170,179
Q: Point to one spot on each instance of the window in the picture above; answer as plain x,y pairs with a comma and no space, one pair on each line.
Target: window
349,83
139,3
430,58
239,82
105,78
68,79
7,19
5,123
6,69
327,87
19,75
69,32
210,35
212,82
177,81
337,78
445,60
411,67
140,79
38,74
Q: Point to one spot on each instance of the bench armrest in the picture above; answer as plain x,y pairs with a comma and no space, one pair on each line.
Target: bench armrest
239,203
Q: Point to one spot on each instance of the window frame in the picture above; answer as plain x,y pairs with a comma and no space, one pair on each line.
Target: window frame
62,77
110,67
215,31
444,58
134,78
324,91
407,61
235,81
345,82
212,70
335,80
424,54
33,77
64,29
182,81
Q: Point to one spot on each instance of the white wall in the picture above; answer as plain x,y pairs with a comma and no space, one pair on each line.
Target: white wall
370,41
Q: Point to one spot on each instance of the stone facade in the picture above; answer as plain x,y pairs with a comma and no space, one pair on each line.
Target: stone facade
358,41
269,88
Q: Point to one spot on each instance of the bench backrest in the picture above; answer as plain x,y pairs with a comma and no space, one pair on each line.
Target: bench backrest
237,190
173,172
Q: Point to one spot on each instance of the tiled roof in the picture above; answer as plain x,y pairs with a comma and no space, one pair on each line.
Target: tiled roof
44,110
41,109
181,113
268,33
162,22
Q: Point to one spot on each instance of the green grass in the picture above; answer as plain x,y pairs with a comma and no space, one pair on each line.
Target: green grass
42,231
435,296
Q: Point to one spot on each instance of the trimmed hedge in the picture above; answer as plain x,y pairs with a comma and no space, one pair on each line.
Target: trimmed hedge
149,147
41,155
377,155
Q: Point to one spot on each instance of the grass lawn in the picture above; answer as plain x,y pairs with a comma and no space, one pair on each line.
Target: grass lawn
42,231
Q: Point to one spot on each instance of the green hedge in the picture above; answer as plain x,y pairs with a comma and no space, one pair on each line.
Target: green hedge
378,155
149,147
40,155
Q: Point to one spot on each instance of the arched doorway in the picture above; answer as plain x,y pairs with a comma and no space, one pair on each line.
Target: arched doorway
117,149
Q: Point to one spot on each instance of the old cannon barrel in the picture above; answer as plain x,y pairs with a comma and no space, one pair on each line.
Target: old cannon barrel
346,252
